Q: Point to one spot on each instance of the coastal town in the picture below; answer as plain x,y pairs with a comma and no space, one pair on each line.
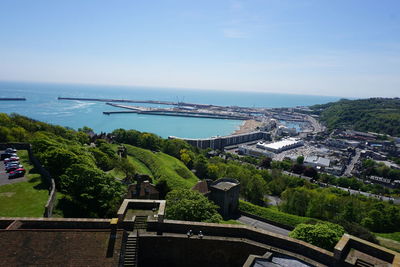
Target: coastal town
281,134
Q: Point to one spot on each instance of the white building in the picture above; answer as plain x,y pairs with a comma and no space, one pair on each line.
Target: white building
282,145
316,162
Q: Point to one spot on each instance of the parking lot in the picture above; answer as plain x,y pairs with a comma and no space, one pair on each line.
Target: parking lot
4,177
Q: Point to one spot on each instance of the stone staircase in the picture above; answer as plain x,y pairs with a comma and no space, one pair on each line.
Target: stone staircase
362,263
131,249
140,222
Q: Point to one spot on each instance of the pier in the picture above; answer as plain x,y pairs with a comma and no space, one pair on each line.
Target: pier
12,99
120,100
195,113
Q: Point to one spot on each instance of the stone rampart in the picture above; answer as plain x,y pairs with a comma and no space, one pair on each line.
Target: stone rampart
56,223
250,233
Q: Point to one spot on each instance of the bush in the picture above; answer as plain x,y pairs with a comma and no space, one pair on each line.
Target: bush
324,235
273,215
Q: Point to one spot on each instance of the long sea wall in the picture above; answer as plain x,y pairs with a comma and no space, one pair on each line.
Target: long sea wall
220,142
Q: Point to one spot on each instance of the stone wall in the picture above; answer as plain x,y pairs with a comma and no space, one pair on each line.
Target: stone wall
194,252
250,233
46,177
56,223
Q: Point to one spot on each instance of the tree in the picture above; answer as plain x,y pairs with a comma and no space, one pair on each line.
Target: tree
265,162
189,205
298,168
310,172
125,166
300,160
187,156
324,235
174,147
92,190
150,141
200,165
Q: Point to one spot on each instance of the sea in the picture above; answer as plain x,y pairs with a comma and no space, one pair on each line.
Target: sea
42,104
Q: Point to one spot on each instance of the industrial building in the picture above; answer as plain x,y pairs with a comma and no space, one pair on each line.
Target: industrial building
316,162
282,145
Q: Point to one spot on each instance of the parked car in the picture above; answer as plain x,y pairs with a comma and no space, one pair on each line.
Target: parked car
10,150
13,168
8,155
11,159
5,155
11,163
17,173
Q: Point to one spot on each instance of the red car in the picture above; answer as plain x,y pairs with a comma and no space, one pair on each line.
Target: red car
13,168
17,173
11,159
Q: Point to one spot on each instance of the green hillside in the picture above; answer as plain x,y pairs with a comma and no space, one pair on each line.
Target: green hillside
162,167
380,115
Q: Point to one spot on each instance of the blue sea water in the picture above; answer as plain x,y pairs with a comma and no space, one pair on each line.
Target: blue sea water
42,104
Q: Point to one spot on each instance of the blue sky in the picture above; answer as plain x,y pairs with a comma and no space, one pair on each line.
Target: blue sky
347,48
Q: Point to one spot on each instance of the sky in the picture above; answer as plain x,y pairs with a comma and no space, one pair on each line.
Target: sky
347,48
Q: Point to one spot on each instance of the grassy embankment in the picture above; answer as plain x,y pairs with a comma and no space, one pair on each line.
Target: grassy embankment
160,166
389,240
273,215
24,199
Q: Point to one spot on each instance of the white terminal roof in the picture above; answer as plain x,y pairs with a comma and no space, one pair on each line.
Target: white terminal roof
281,144
320,161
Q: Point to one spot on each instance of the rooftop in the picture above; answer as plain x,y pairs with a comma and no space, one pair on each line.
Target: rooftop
282,143
224,185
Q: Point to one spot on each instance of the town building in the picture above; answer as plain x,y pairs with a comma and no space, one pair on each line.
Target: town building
316,162
282,145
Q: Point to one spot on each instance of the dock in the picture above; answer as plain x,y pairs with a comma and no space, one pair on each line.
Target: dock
177,111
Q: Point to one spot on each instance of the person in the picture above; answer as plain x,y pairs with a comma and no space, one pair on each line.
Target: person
201,234
189,233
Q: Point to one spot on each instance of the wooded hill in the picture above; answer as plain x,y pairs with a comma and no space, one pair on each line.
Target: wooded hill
380,115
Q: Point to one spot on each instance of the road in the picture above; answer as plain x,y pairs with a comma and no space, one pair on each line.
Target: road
263,225
354,160
315,124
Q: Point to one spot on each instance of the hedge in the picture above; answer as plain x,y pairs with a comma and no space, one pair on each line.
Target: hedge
278,217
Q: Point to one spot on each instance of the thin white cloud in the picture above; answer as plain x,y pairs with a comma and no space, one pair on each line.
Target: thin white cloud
233,33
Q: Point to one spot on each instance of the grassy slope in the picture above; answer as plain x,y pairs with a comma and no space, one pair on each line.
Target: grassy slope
164,167
24,199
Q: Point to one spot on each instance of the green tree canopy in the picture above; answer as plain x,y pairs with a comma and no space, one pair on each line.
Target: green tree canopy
323,235
189,205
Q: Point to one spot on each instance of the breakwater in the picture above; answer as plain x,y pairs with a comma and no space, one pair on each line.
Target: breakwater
182,112
178,114
119,100
12,98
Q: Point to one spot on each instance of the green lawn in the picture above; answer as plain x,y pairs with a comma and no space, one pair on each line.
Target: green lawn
24,199
394,236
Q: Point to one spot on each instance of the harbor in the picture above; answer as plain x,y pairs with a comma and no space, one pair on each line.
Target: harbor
179,111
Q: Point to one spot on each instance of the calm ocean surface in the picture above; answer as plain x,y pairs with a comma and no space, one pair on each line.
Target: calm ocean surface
42,104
